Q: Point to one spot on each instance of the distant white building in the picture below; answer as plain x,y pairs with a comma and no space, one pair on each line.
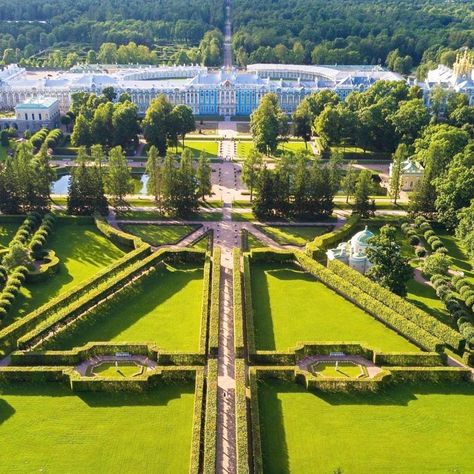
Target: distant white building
206,91
410,173
354,252
458,79
33,114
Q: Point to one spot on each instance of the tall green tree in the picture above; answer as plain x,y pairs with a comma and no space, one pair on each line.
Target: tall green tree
118,181
125,123
203,175
268,124
182,122
389,268
155,175
186,185
465,228
81,133
157,122
251,169
400,155
303,121
349,180
362,194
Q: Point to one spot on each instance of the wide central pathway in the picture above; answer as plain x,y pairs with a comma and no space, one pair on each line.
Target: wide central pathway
226,236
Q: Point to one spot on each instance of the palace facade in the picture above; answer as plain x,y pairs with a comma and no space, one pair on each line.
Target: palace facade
207,92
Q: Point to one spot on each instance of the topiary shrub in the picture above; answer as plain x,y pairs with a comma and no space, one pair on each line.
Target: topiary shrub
442,250
414,240
437,244
436,263
469,300
420,252
428,234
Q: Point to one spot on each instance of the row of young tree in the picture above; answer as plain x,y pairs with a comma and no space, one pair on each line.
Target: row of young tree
304,189
25,180
176,187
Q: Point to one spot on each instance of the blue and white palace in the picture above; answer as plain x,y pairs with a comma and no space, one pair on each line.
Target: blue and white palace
207,92
225,92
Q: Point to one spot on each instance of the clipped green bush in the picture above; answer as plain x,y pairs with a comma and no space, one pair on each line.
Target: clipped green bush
213,343
347,288
423,321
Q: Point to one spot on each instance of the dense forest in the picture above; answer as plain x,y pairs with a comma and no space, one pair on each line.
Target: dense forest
401,34
35,31
352,31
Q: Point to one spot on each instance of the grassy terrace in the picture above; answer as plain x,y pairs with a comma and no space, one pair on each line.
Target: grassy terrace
47,428
154,215
159,234
294,235
82,250
408,428
7,231
244,147
209,147
291,306
164,308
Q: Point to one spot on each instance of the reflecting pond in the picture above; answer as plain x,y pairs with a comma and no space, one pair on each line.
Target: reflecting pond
61,185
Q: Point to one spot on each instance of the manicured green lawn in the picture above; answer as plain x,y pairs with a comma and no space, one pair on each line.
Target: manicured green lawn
294,235
82,250
245,146
117,370
291,306
253,242
157,216
165,308
424,296
159,234
405,429
7,231
47,428
209,147
459,258
343,370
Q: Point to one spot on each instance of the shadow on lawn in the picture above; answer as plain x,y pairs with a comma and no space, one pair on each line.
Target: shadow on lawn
401,394
6,411
264,330
160,395
121,312
272,428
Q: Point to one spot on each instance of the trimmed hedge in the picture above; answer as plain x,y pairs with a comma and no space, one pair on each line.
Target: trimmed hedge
80,354
399,305
10,334
239,337
336,384
33,374
213,344
257,459
248,307
92,304
241,419
210,430
205,307
198,423
47,269
270,255
115,235
429,374
317,248
415,359
369,304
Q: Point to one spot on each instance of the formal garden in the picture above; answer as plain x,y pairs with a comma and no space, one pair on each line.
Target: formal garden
91,295
96,431
356,432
